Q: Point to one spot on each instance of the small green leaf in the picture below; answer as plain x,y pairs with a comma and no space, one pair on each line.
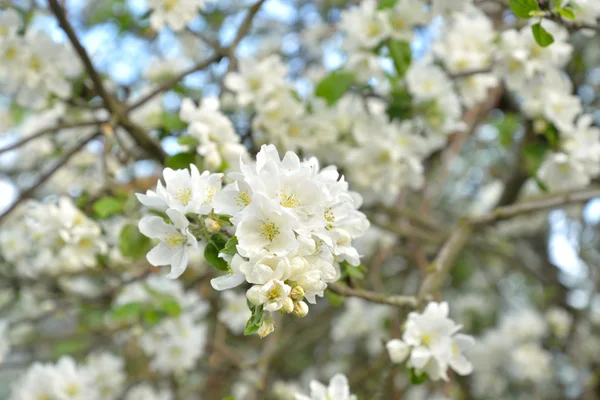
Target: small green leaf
401,55
417,378
567,13
152,317
188,141
255,320
172,122
334,86
132,243
542,36
541,185
230,246
180,161
523,8
215,244
170,306
127,311
107,207
336,300
401,105
383,4
533,155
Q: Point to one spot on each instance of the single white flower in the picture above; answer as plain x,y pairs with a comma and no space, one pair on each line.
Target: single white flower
338,389
175,241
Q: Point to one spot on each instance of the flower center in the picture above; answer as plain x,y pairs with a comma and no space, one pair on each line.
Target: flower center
169,5
72,389
289,201
269,230
427,339
275,292
243,199
184,195
174,240
329,217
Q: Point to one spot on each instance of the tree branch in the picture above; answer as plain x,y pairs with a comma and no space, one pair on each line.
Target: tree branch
169,84
47,175
59,12
381,298
60,126
445,260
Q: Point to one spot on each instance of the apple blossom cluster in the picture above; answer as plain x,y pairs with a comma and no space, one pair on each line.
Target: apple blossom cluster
174,342
218,143
33,66
52,239
101,377
338,389
534,74
291,224
175,14
431,344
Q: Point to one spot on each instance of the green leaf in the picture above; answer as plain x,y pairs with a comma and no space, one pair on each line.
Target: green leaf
170,306
127,311
180,161
400,107
507,127
417,378
152,317
215,244
567,13
172,122
523,8
351,271
542,36
230,246
533,155
69,346
107,207
334,86
541,185
336,300
401,55
254,321
132,243
188,141
383,4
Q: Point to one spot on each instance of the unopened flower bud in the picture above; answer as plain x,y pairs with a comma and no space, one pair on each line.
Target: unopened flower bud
288,305
212,225
253,295
297,293
300,309
539,126
266,327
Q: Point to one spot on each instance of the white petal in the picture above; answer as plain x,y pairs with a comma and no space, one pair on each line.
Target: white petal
155,227
461,365
338,387
151,200
227,281
398,350
178,264
419,357
178,218
160,255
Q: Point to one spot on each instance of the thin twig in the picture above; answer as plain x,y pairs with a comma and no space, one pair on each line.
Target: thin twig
60,126
445,260
47,175
59,12
169,84
381,298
